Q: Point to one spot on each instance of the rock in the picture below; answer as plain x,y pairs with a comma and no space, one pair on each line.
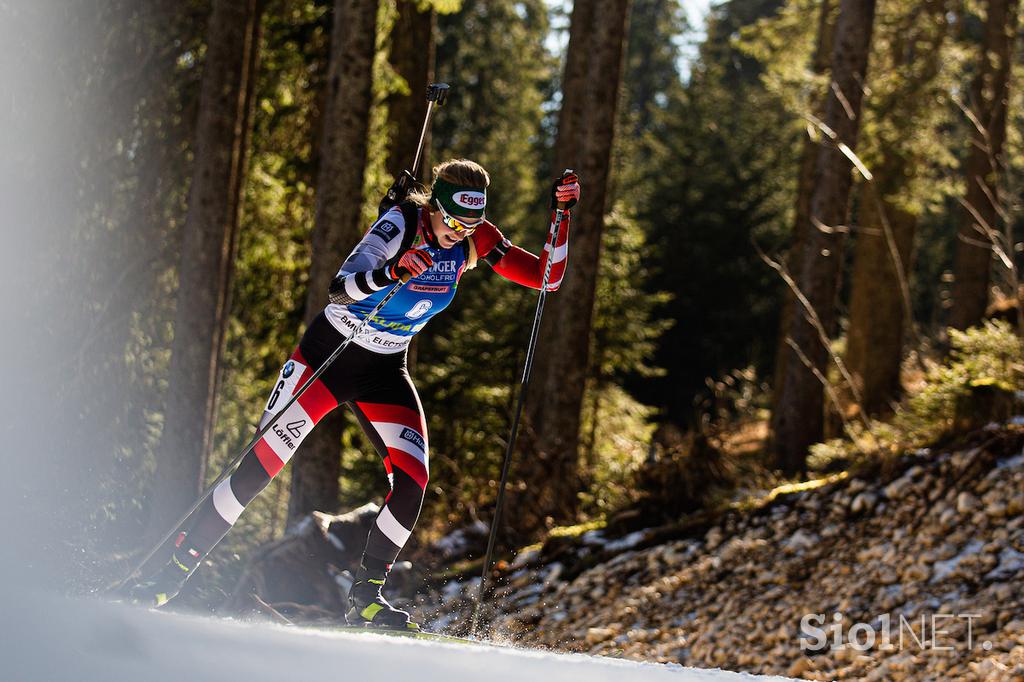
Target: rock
966,503
863,503
960,459
896,489
988,493
598,635
989,670
800,666
887,575
800,541
997,509
637,635
948,517
917,573
870,554
713,538
844,654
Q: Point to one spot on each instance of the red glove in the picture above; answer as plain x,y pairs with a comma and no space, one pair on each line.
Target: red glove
413,263
566,190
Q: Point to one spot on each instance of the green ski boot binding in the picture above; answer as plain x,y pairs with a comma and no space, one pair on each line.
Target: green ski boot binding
369,608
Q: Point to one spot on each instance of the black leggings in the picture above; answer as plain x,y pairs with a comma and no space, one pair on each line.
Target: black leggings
380,393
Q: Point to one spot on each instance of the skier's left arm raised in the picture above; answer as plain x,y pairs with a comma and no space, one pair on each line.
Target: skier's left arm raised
521,266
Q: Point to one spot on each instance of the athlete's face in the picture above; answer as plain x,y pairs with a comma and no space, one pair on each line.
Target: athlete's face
446,236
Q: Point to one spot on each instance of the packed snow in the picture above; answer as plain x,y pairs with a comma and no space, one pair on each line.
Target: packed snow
60,639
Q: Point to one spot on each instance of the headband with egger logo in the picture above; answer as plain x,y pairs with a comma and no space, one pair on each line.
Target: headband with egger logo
458,200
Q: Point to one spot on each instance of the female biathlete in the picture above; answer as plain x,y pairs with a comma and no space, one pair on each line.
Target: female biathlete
434,239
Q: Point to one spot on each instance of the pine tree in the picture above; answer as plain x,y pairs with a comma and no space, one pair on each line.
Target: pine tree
708,182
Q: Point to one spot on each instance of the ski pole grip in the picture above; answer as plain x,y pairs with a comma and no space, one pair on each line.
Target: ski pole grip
562,205
437,92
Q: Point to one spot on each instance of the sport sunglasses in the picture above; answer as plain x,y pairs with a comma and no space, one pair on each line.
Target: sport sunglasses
458,224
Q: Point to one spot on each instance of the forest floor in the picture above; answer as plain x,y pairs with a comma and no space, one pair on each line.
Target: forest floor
926,553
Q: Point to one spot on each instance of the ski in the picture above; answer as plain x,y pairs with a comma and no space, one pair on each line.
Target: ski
414,631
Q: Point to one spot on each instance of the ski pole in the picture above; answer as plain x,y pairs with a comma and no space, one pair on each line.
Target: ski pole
506,465
230,468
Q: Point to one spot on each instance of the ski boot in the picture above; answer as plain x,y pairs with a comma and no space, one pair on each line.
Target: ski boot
165,584
367,606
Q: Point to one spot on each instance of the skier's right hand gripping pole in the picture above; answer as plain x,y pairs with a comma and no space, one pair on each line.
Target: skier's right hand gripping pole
565,192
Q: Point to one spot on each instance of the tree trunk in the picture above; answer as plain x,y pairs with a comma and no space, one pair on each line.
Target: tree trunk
990,93
586,126
208,235
820,62
236,195
879,299
412,56
798,415
877,311
339,199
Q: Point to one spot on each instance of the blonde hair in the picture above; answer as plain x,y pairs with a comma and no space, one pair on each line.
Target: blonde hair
456,171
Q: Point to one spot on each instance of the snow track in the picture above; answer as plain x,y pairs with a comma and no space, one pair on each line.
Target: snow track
63,639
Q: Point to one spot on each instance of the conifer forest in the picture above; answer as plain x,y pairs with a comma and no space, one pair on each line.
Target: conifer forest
781,374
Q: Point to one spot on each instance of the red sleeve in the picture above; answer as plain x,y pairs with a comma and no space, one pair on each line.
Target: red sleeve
518,265
521,267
